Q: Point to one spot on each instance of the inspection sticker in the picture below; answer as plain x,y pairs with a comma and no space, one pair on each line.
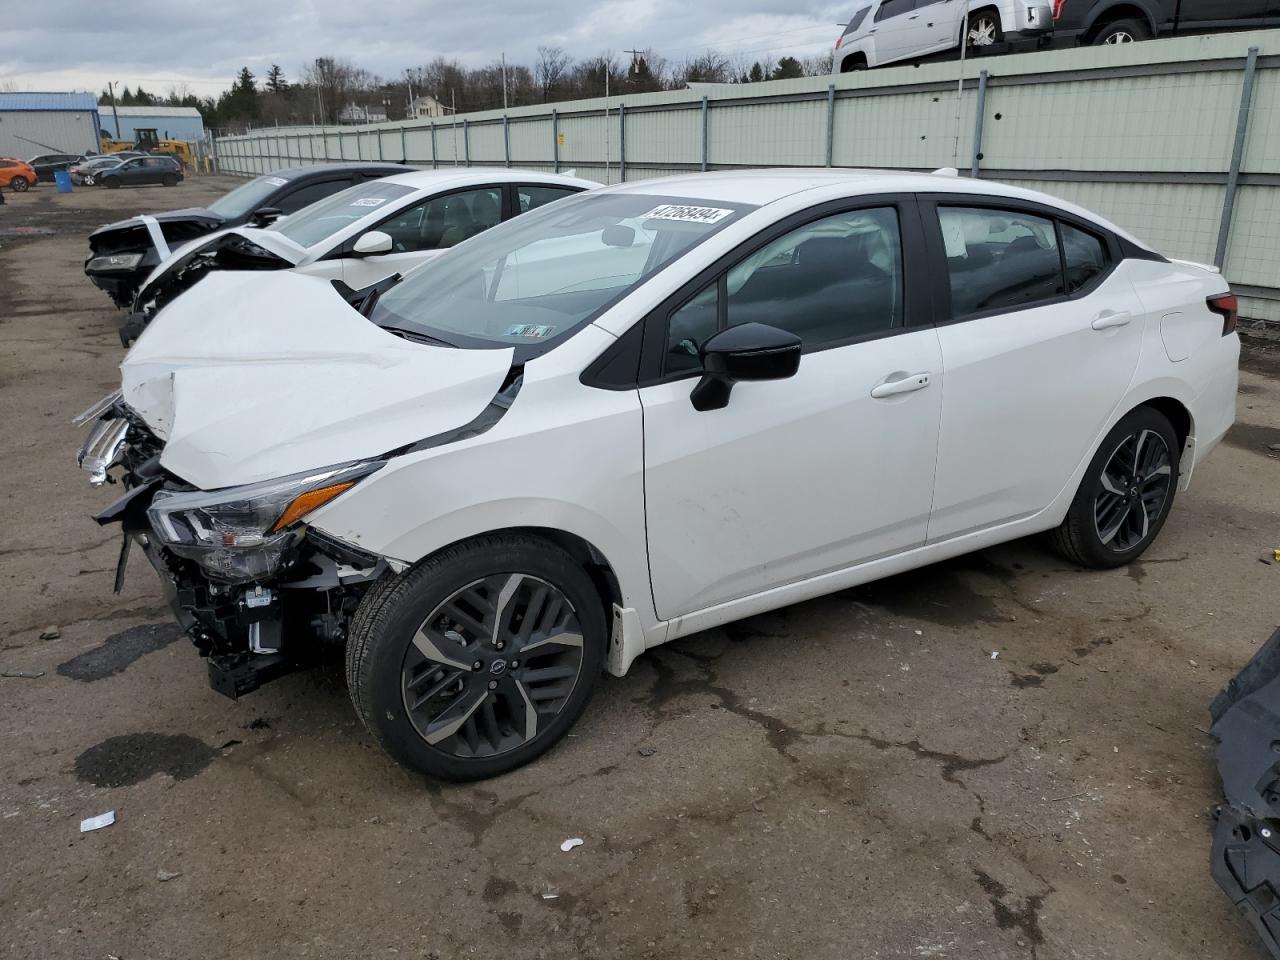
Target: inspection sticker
368,201
537,331
678,211
276,181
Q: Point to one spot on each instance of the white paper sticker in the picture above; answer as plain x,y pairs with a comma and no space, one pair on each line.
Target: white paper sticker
368,201
953,235
98,822
275,181
686,214
537,331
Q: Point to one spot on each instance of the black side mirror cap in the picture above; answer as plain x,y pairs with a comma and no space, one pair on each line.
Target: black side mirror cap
752,351
265,215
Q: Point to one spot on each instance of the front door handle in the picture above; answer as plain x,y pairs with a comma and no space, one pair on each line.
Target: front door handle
909,383
1111,318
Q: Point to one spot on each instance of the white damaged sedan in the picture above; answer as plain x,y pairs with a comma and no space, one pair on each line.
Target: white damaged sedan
642,412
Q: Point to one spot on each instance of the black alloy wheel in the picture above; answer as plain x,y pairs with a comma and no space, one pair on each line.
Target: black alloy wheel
1125,495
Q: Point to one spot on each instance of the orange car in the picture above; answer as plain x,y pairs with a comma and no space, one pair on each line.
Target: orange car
17,175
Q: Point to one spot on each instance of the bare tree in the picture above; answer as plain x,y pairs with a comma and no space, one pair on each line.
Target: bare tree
709,67
550,70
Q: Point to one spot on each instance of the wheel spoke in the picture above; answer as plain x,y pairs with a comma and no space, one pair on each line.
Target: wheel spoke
500,615
433,646
1109,534
553,643
450,720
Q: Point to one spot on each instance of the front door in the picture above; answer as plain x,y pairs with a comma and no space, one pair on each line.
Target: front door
1045,335
796,477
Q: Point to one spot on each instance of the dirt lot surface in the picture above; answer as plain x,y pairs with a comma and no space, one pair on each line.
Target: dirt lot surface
854,777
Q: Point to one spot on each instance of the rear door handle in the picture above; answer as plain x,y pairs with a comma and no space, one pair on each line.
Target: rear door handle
912,382
1111,318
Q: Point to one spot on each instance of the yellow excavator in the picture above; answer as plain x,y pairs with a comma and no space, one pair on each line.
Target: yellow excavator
149,142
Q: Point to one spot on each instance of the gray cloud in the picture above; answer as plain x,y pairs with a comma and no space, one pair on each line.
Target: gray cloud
166,42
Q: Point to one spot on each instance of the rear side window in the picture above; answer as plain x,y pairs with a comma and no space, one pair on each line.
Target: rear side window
999,259
892,8
829,281
305,196
1083,255
532,197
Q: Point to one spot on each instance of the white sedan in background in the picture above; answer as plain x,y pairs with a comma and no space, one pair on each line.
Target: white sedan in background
361,235
643,412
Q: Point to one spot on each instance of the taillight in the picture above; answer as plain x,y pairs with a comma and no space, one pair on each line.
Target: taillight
1227,307
839,40
1057,8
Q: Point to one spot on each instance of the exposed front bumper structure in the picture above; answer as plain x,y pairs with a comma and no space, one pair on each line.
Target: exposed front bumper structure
1246,839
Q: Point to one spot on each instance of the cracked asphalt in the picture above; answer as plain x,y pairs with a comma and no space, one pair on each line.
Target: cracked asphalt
996,757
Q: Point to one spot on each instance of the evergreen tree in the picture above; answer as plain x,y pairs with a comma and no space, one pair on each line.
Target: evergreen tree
788,68
276,82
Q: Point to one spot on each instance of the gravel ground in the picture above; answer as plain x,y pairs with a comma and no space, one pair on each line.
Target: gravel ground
850,777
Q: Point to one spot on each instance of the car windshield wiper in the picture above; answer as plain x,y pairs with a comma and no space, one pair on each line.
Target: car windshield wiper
417,336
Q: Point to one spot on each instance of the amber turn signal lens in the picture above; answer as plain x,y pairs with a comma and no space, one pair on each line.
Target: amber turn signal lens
304,503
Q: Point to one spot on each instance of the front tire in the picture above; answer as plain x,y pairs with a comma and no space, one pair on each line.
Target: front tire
1126,494
479,659
20,185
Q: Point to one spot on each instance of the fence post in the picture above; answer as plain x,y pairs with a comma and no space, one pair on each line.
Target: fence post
1237,156
404,150
706,129
434,154
831,119
979,113
379,143
555,139
506,140
622,143
466,141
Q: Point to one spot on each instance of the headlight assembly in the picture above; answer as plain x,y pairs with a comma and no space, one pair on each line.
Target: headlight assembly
242,533
114,261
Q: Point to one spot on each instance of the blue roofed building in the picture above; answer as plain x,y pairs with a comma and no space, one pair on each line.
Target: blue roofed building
170,123
32,124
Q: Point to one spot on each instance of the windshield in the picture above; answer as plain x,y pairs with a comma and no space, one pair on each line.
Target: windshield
539,277
322,219
247,198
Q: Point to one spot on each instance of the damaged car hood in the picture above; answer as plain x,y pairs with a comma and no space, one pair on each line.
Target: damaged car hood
172,222
250,378
274,243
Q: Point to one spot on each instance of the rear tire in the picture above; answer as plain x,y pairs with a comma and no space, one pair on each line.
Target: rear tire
1121,31
984,29
170,180
1125,495
20,185
416,639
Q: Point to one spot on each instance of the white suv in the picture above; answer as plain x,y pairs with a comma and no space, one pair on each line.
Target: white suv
889,31
644,411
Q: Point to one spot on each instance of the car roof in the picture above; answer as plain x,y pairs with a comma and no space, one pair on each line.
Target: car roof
765,186
321,169
467,176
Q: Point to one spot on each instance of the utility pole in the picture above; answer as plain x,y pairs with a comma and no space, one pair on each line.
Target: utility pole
635,60
408,80
111,90
504,80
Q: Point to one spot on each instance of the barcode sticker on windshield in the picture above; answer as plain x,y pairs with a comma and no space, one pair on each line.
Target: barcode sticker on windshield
275,181
535,330
368,201
678,211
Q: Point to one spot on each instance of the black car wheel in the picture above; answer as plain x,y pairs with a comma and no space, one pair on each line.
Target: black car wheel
20,185
479,659
170,180
1126,493
1122,31
112,182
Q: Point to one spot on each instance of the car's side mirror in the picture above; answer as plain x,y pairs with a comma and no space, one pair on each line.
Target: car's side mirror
375,241
752,351
266,215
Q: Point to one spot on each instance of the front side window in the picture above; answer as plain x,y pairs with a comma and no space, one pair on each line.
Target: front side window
999,259
829,281
443,222
321,220
539,277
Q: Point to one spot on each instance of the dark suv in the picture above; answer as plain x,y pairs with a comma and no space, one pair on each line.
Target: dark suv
122,254
47,164
143,170
1091,22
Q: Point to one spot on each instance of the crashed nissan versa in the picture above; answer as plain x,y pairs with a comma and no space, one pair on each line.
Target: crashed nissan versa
123,254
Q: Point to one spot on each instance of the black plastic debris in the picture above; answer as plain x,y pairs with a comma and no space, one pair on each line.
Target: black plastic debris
1246,839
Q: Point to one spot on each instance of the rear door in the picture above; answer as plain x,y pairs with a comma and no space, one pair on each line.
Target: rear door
804,476
1040,338
894,30
1212,14
939,23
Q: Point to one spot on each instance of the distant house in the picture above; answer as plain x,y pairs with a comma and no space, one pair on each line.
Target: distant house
355,113
426,106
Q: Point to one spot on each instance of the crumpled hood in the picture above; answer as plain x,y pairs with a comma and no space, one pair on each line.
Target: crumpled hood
269,240
253,377
199,218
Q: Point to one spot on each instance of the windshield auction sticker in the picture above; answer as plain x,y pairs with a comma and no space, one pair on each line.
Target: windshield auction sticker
536,331
369,201
686,214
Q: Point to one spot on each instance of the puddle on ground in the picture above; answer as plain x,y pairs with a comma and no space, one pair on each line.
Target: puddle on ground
119,651
939,593
125,760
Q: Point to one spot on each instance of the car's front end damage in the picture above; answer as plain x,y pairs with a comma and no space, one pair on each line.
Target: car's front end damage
1246,839
257,590
122,255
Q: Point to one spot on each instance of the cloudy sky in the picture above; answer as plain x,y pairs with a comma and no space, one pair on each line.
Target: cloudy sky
81,44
